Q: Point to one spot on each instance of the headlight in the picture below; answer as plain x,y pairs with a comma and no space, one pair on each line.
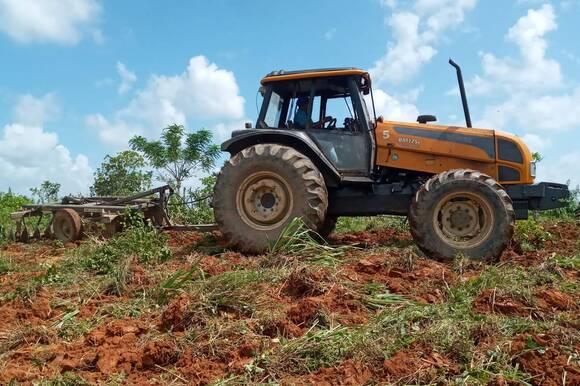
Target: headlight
533,169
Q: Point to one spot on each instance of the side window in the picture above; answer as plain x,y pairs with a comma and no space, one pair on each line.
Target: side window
302,121
272,117
342,110
316,109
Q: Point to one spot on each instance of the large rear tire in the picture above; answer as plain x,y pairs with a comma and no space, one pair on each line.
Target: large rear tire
260,190
462,212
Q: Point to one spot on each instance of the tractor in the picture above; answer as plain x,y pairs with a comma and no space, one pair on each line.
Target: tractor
316,153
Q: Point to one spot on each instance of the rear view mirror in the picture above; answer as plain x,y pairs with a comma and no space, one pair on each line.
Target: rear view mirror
262,90
248,125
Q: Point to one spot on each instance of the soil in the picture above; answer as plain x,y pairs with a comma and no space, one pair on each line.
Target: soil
418,362
546,301
180,343
542,357
422,280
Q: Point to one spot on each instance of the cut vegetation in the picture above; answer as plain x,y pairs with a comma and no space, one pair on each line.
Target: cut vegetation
365,308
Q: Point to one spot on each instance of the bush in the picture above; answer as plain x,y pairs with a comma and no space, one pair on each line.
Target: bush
196,206
9,202
138,239
530,235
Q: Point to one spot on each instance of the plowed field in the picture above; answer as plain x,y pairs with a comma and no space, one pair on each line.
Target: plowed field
370,309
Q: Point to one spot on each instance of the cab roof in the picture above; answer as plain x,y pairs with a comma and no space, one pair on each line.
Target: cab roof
281,75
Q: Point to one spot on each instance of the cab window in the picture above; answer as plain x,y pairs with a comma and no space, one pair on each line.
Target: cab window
274,110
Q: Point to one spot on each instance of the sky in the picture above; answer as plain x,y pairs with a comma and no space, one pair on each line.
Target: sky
78,78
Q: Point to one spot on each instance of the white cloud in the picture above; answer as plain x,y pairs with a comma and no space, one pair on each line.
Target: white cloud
127,78
30,155
415,34
58,21
536,142
555,113
532,70
561,169
391,108
35,111
203,91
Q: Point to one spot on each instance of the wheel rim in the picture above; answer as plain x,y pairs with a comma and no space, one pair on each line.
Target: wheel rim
463,220
264,200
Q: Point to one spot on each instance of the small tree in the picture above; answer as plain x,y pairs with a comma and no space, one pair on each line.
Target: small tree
178,155
46,192
121,175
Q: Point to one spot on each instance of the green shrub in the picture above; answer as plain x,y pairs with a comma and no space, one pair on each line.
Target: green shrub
195,207
530,235
138,239
9,202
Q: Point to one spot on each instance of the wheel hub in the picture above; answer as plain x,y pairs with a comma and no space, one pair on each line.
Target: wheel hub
460,218
463,220
264,200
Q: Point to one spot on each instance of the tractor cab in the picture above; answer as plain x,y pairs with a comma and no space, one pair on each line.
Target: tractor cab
328,106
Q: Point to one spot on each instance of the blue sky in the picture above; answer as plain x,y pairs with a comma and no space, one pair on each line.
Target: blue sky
79,77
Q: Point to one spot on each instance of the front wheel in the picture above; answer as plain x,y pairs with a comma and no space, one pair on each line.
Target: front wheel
462,212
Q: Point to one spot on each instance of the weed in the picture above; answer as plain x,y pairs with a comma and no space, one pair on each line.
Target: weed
359,224
6,265
530,235
234,291
297,240
175,283
143,242
316,349
118,276
66,379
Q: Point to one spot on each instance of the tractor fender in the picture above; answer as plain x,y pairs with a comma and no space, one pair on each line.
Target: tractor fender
297,140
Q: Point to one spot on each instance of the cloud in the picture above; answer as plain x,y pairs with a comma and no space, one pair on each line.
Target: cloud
35,111
531,70
203,92
540,113
29,154
560,169
416,32
536,142
127,78
391,108
57,21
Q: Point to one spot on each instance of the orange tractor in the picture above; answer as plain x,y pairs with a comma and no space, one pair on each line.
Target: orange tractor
317,153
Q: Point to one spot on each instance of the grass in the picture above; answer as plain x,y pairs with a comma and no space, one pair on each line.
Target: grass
298,240
530,235
360,224
6,265
228,308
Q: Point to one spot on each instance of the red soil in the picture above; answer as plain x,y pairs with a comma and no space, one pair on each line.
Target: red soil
540,356
425,281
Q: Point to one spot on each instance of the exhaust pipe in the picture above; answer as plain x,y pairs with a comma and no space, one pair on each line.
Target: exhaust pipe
462,92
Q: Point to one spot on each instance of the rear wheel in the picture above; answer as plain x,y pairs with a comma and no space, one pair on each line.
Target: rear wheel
261,189
462,212
67,225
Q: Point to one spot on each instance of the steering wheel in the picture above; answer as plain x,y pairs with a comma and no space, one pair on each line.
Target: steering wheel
331,124
349,124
